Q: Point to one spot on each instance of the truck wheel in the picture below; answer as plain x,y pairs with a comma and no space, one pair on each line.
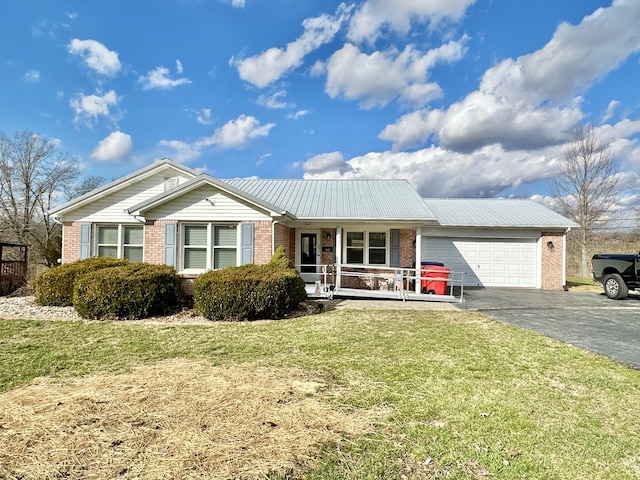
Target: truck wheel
614,287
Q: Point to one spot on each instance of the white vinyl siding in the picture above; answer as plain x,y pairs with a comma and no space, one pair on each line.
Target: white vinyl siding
112,207
209,246
205,203
120,241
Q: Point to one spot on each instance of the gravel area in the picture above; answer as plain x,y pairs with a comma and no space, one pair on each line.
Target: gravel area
26,308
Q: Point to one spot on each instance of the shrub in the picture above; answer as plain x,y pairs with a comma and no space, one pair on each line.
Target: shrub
55,287
133,291
279,259
249,292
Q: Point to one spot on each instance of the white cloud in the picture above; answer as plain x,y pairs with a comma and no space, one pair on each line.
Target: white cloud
183,152
397,15
159,78
32,76
485,172
179,67
88,108
96,56
269,66
326,164
235,134
611,108
299,114
238,133
381,77
237,3
204,116
115,148
275,100
531,102
437,172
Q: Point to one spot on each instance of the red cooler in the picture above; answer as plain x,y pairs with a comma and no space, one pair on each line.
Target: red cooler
434,276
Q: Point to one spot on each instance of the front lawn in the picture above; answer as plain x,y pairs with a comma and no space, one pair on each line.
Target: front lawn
350,394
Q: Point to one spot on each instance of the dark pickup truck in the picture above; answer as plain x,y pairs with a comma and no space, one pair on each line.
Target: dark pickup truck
618,273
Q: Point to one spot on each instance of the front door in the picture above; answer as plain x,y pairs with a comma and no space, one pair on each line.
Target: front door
309,256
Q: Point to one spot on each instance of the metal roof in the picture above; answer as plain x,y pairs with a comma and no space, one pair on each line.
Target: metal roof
495,212
339,199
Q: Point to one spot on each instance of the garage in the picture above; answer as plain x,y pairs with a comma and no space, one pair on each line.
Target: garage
487,262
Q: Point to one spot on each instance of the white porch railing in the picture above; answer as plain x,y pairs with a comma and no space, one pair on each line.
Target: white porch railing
384,282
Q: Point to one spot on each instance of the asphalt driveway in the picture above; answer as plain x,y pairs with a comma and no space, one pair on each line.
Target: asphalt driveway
587,320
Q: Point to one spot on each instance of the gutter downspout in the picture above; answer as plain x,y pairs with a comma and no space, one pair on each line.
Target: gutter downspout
564,258
273,236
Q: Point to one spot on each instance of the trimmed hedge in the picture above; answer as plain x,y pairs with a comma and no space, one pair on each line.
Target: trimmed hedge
55,287
249,292
133,291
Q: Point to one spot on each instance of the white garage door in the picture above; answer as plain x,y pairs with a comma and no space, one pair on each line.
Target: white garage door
486,263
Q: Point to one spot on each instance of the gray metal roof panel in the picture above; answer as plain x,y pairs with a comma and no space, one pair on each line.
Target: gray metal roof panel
344,199
495,212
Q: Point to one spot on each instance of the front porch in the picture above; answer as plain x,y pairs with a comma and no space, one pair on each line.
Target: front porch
405,284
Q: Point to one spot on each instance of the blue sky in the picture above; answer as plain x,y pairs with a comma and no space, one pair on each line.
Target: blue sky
461,97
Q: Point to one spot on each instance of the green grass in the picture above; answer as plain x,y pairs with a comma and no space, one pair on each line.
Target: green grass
581,281
462,395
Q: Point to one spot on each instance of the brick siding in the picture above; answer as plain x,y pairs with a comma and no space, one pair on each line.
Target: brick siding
71,242
262,243
552,262
407,248
154,241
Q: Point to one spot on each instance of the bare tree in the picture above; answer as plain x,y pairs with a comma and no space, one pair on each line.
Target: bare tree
85,185
33,176
585,187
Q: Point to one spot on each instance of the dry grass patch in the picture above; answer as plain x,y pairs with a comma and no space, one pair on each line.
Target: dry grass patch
173,419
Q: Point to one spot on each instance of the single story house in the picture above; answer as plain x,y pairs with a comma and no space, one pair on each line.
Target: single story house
168,213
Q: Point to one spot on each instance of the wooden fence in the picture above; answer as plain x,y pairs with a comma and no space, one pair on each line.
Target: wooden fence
13,266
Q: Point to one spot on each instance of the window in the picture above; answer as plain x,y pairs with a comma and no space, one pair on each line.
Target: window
195,246
377,248
371,246
121,241
224,246
355,247
208,246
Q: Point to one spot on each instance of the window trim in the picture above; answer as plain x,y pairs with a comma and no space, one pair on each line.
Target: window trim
209,247
367,247
120,246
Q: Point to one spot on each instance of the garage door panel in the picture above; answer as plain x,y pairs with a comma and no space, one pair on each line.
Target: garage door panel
509,262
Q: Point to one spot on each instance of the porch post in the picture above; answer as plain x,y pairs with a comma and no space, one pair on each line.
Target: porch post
338,255
418,257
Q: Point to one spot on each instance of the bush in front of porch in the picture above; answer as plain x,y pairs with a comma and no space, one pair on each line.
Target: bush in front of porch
250,292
